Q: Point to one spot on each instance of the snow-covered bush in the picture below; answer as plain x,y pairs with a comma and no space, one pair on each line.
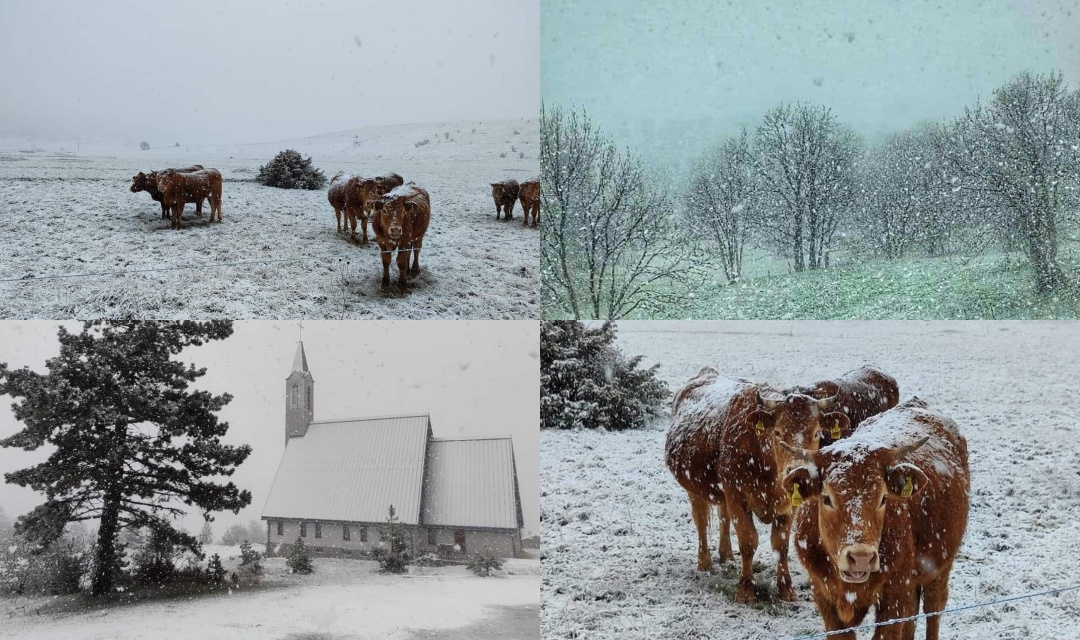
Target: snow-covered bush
299,559
250,569
290,170
395,558
28,568
587,382
483,564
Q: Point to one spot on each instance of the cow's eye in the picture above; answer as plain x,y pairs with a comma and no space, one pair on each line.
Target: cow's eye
776,432
882,501
826,500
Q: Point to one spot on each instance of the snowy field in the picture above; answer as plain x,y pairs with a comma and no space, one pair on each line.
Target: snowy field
64,214
343,599
619,547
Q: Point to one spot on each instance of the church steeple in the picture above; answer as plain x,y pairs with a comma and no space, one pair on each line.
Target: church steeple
299,396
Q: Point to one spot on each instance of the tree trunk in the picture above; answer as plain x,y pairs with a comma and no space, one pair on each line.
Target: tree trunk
105,558
1042,249
797,248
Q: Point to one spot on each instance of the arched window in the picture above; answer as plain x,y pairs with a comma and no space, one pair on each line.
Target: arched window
309,398
295,400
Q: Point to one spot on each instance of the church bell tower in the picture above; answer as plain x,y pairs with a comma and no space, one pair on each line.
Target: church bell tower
299,397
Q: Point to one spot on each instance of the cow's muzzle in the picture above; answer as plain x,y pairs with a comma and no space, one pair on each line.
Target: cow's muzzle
857,562
395,233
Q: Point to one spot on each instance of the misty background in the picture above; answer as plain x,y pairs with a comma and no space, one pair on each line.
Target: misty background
235,71
670,79
476,379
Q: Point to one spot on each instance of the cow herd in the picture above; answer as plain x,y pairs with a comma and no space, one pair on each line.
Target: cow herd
877,490
399,212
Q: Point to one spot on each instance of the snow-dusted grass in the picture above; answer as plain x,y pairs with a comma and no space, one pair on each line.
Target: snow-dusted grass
65,215
344,598
619,546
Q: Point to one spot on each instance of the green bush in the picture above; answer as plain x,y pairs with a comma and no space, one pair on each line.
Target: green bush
299,558
290,170
483,564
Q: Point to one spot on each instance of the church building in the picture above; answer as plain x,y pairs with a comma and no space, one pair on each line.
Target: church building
338,478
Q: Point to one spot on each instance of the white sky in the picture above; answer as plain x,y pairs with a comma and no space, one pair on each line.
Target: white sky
474,378
223,71
683,72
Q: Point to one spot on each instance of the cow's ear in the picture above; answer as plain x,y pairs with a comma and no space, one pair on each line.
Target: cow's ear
802,483
763,421
904,480
834,426
378,205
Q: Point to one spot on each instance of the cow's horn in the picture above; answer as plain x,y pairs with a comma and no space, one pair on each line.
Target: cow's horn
905,451
798,452
768,404
828,404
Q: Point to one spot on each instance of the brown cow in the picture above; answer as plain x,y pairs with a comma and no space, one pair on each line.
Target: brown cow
505,194
371,190
860,393
723,449
343,195
399,223
530,201
148,183
885,511
179,188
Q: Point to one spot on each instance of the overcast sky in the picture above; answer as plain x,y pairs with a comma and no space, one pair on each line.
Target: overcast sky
474,378
219,71
688,70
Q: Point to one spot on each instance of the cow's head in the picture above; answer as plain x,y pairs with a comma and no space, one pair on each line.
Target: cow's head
395,215
799,421
853,484
141,182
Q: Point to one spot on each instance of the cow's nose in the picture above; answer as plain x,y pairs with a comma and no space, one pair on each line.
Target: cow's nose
862,558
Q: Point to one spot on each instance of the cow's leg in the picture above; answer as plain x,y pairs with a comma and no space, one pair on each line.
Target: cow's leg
198,209
781,529
524,214
508,211
415,269
498,210
164,211
402,265
935,595
350,222
337,216
830,617
177,214
699,508
897,601
217,203
363,228
536,214
726,553
748,541
385,266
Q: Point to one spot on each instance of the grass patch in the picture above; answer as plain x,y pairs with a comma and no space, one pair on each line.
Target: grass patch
83,602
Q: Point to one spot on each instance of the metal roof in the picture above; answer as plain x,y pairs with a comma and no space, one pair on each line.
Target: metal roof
352,470
471,483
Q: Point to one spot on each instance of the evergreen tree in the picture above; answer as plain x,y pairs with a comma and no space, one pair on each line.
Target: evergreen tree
299,559
132,442
290,170
214,570
482,564
587,382
394,559
206,534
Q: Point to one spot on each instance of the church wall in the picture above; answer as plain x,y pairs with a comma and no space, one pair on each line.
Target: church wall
505,544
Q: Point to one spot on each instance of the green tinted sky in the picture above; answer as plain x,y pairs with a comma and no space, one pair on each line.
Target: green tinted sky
881,65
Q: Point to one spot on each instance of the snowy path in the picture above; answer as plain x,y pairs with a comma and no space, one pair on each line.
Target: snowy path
344,599
619,546
66,215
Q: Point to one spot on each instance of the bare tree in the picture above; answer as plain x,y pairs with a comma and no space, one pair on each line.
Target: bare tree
717,202
806,162
609,244
1023,150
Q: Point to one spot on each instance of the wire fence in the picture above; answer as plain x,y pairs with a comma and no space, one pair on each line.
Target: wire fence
943,612
29,278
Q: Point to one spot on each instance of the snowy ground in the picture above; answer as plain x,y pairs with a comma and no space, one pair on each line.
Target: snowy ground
343,599
619,548
61,214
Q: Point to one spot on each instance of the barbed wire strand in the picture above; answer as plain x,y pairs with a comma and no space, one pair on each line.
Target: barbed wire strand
968,607
343,256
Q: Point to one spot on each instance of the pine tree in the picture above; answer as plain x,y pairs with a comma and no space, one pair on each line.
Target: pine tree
214,570
206,534
133,443
394,559
587,382
299,559
290,170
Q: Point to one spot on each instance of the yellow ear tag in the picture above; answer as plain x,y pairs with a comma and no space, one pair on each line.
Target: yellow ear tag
835,432
906,491
759,426
796,499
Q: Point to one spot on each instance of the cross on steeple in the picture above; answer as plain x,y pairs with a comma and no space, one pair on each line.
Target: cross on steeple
301,325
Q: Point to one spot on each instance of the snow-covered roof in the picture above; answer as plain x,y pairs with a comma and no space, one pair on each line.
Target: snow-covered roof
352,470
472,483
